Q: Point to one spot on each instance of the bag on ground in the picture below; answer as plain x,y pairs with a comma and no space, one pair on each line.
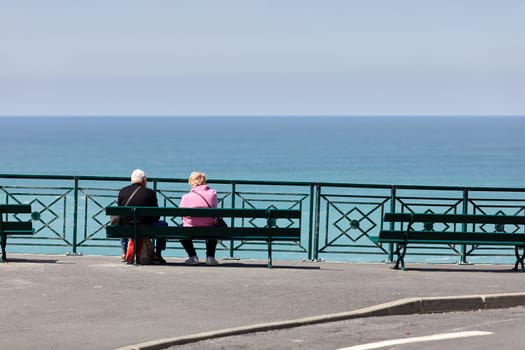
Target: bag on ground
145,251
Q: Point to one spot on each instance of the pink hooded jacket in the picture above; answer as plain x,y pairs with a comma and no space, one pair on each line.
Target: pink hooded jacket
193,200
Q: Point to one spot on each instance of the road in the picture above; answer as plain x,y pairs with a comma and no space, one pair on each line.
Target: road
505,327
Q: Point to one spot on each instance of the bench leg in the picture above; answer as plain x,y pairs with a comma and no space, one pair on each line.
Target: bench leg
400,252
270,255
519,258
4,239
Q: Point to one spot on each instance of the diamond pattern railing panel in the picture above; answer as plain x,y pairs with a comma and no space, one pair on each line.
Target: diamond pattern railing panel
351,217
48,207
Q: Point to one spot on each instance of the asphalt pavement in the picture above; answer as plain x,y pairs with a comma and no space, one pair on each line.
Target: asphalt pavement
95,302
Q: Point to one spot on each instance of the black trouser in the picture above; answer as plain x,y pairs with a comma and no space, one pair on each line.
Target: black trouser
190,249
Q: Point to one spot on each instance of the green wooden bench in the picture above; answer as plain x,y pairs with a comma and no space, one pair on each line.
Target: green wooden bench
463,229
8,227
249,225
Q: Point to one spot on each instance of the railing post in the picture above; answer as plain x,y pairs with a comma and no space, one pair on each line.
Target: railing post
135,239
232,246
154,241
317,218
75,216
464,227
310,222
393,193
269,224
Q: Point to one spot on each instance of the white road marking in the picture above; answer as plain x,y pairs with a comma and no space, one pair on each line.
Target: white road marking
435,337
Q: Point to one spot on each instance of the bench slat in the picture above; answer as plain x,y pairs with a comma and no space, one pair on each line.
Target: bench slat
22,227
454,218
396,236
15,208
205,212
228,233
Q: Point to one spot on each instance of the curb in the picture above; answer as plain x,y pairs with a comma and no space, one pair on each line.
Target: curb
399,307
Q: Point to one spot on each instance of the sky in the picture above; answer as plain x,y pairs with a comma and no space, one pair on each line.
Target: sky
262,57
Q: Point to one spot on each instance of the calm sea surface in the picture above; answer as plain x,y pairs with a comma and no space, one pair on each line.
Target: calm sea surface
484,151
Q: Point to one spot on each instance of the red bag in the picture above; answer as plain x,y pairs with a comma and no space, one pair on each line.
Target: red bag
145,251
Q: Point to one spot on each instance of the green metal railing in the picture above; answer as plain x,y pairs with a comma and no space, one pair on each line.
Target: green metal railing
337,222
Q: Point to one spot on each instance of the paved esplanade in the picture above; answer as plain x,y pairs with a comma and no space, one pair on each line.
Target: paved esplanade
91,302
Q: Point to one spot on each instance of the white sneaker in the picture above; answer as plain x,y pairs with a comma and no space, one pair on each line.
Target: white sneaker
211,261
192,261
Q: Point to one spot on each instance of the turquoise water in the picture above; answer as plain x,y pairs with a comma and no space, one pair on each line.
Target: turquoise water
472,151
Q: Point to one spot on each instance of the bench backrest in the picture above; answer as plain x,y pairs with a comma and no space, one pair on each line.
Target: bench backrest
454,218
471,230
13,227
255,230
269,219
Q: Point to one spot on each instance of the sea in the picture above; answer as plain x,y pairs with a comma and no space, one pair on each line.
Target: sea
462,151
451,151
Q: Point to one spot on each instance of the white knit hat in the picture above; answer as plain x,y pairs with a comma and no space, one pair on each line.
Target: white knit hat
138,175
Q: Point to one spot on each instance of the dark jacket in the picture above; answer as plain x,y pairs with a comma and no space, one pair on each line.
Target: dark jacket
144,197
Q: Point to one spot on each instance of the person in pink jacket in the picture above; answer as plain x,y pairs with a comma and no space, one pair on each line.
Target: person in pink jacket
200,196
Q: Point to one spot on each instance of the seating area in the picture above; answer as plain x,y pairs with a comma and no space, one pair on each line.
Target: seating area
405,229
267,225
11,224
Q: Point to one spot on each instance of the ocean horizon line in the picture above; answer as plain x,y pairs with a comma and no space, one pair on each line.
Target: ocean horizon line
266,116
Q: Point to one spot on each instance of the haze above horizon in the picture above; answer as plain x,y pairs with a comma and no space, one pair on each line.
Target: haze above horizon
262,57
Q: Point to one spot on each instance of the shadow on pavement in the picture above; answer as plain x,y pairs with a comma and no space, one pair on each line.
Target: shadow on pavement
31,261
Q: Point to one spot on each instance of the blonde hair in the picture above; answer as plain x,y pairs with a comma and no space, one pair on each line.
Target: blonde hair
197,178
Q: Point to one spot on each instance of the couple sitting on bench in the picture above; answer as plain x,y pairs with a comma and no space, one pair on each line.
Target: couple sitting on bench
200,196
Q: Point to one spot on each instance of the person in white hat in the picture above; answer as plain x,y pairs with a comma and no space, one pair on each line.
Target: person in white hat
137,194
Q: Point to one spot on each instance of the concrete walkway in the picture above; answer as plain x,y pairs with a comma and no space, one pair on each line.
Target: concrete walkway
92,302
